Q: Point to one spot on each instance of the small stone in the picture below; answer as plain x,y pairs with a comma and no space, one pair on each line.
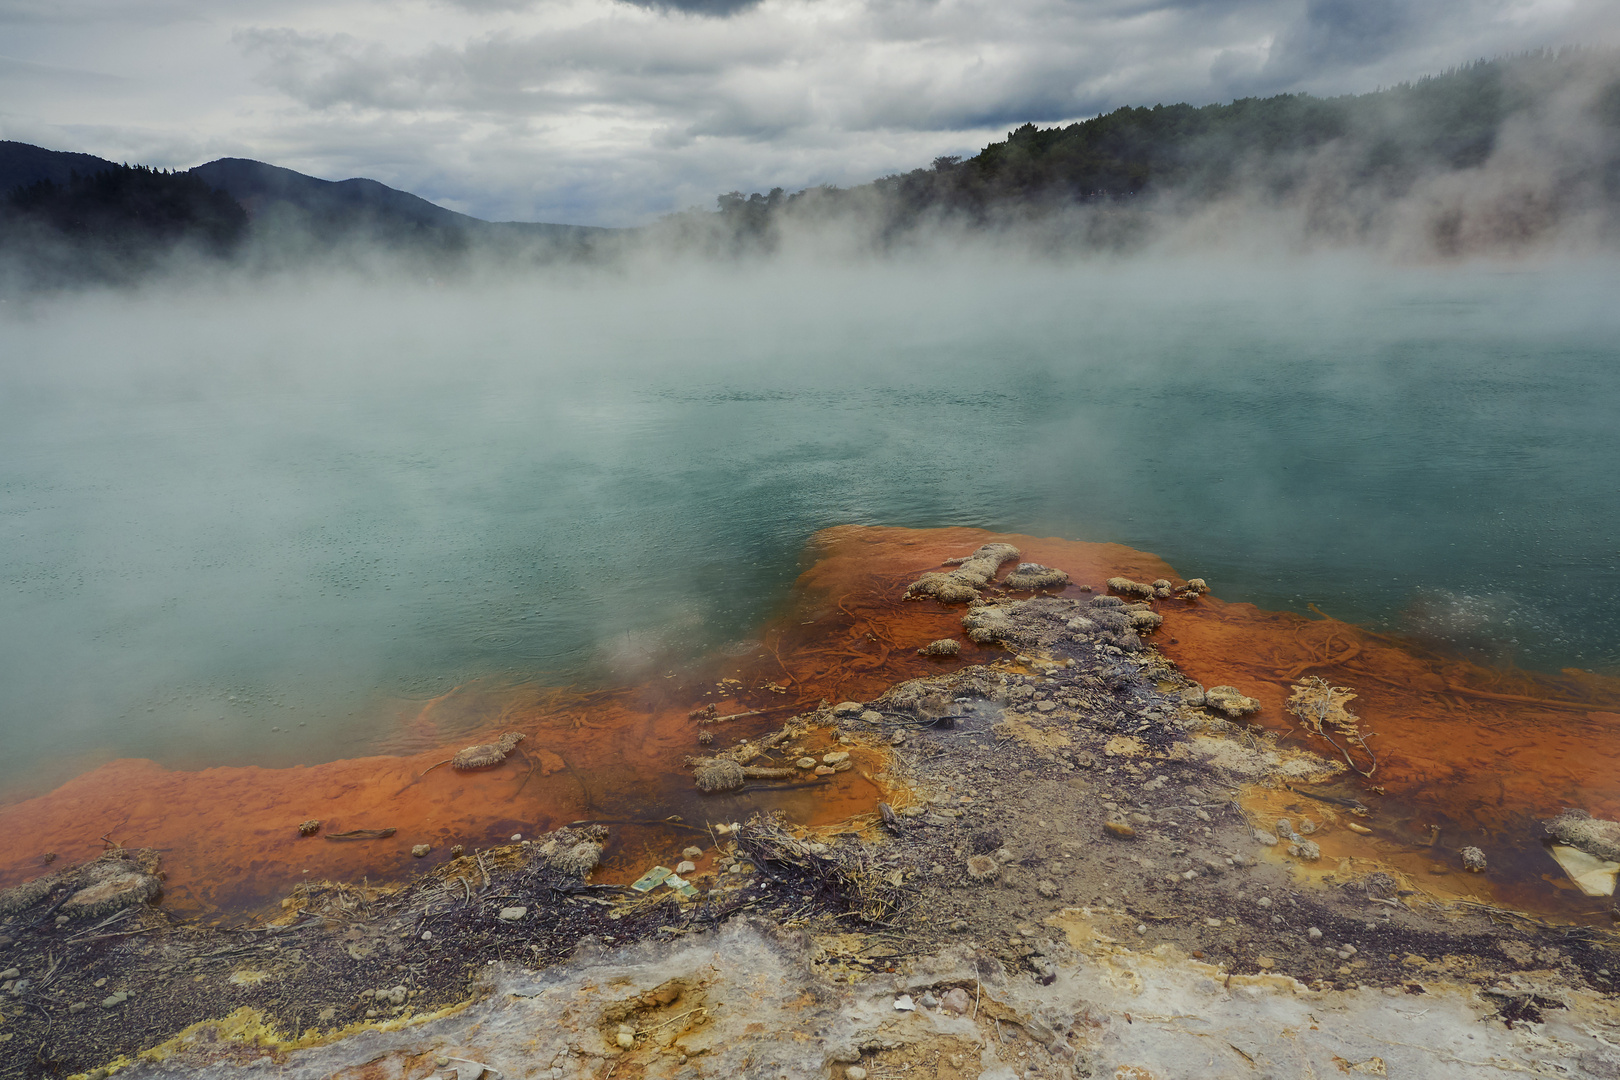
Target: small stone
11,973
1229,700
982,868
685,867
897,739
903,1003
457,850
1473,860
835,757
806,763
427,935
1047,888
1264,963
1306,826
942,647
421,850
1264,838
957,1000
855,1072
1119,830
625,1040
1141,928
693,852
1264,901
516,837
1305,849
113,1001
825,770
1314,934
78,1007
848,708
309,828
870,716
1285,829
928,1001
513,914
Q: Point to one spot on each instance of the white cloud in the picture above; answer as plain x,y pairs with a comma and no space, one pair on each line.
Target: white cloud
606,112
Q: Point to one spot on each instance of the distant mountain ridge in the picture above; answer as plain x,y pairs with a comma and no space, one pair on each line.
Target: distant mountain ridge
255,184
260,187
69,218
22,164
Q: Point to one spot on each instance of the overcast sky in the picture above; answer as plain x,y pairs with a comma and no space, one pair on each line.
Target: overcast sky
612,112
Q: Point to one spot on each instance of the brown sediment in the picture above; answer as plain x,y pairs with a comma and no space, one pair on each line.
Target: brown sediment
1479,752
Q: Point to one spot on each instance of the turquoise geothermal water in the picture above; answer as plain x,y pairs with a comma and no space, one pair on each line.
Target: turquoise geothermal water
292,505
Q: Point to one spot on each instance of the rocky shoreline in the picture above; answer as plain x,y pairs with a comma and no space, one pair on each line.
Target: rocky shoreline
1067,878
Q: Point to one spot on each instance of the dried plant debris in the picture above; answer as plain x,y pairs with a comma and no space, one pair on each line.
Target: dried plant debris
1321,707
572,851
95,990
961,585
729,769
718,774
850,872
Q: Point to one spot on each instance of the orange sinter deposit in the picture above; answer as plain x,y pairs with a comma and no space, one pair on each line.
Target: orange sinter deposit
1480,754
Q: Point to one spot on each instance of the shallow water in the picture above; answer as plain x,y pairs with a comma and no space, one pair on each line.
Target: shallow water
267,526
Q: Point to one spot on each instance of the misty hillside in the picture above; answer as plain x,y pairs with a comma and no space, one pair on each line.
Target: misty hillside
22,164
258,187
68,217
1495,156
116,223
1503,150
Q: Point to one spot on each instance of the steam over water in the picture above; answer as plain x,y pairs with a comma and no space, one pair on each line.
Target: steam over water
294,507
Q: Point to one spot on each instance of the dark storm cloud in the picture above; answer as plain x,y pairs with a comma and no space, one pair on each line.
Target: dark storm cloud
720,8
1335,34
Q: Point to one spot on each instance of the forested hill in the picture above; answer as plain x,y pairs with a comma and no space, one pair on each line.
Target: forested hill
133,206
115,223
1563,108
69,218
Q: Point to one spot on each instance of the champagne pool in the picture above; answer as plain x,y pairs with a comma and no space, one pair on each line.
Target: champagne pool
312,525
